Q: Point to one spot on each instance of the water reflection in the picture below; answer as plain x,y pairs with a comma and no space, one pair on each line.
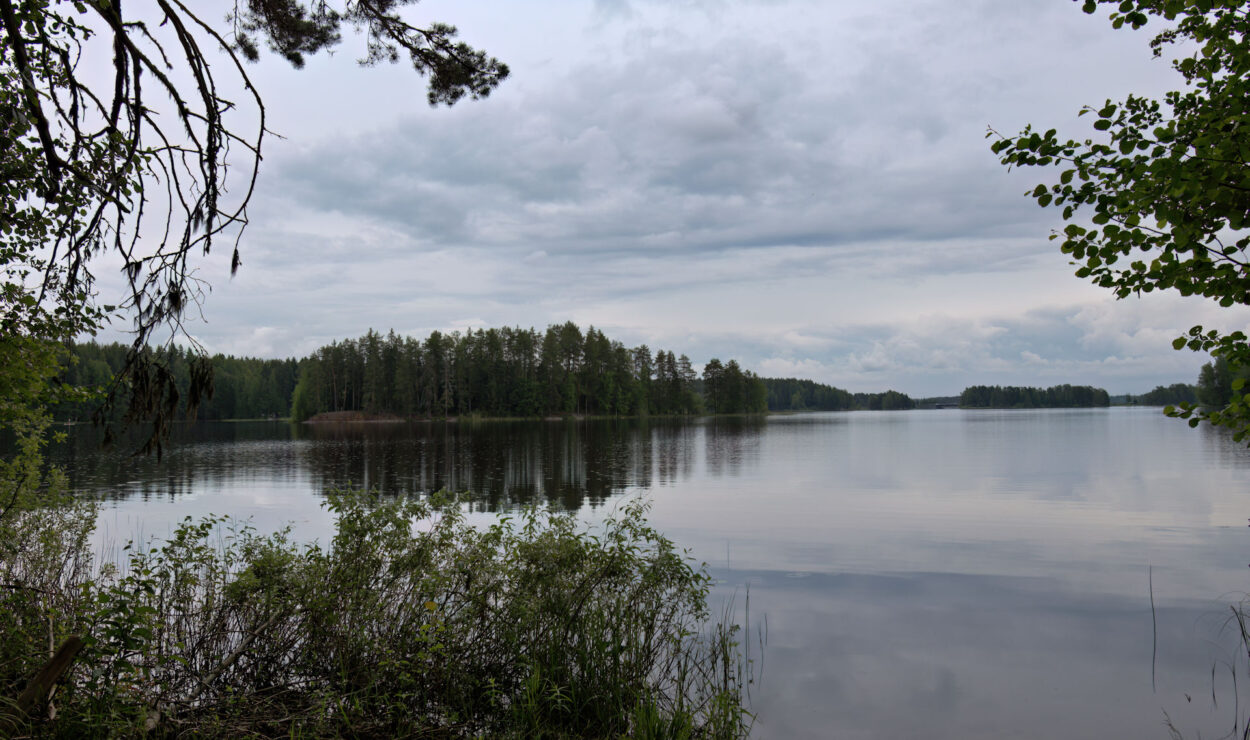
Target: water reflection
501,464
950,656
1220,449
204,455
673,452
929,573
733,442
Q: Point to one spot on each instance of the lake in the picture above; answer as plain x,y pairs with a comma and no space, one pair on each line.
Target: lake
936,574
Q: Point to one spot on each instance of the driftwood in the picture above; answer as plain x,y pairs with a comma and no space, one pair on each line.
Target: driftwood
39,687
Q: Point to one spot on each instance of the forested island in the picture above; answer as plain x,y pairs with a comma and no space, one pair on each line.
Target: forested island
1213,389
1018,397
512,372
504,372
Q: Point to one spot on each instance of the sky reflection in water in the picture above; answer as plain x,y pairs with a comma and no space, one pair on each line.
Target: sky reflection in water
936,574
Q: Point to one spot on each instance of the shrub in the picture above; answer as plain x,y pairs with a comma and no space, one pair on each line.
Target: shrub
409,621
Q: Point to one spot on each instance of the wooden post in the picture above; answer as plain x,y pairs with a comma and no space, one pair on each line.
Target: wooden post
38,688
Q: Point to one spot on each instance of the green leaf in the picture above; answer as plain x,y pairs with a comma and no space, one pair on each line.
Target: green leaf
1168,182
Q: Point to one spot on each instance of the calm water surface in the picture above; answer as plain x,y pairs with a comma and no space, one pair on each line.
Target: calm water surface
936,574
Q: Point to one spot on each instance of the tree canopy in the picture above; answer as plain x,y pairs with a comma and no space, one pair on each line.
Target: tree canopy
1159,197
153,164
794,394
1016,397
512,371
1172,395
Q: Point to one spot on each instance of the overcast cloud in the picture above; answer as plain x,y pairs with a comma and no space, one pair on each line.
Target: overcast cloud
804,186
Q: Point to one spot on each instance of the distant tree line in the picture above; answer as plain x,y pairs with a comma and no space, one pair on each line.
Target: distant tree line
486,372
933,402
1016,397
516,372
793,394
243,387
887,401
1215,383
1171,395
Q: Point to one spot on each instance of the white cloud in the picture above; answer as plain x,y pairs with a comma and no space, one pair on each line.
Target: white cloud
804,186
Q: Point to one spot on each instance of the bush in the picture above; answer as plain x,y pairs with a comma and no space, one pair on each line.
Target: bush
410,621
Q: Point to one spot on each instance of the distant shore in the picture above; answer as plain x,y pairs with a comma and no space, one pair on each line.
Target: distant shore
361,417
332,417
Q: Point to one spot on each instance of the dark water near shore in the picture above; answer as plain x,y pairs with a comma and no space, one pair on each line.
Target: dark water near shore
937,574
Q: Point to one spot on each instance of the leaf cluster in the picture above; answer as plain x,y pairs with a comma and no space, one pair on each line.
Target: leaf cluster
1159,197
294,29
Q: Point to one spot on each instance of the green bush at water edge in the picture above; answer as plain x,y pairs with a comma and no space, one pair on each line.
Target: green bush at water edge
410,622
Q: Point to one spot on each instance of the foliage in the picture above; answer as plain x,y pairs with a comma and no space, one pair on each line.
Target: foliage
1160,200
292,30
410,622
887,401
495,372
243,387
792,394
26,390
728,389
1171,395
1014,397
44,555
520,372
490,372
122,136
1215,383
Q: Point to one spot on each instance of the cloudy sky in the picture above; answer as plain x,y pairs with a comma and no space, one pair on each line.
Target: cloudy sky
803,185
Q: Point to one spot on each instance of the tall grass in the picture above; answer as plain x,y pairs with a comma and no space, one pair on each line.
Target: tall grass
1229,678
409,622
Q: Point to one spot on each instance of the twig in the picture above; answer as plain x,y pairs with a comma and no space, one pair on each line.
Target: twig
1154,629
234,656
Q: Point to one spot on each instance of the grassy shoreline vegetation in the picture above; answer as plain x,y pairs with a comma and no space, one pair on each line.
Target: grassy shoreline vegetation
409,622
